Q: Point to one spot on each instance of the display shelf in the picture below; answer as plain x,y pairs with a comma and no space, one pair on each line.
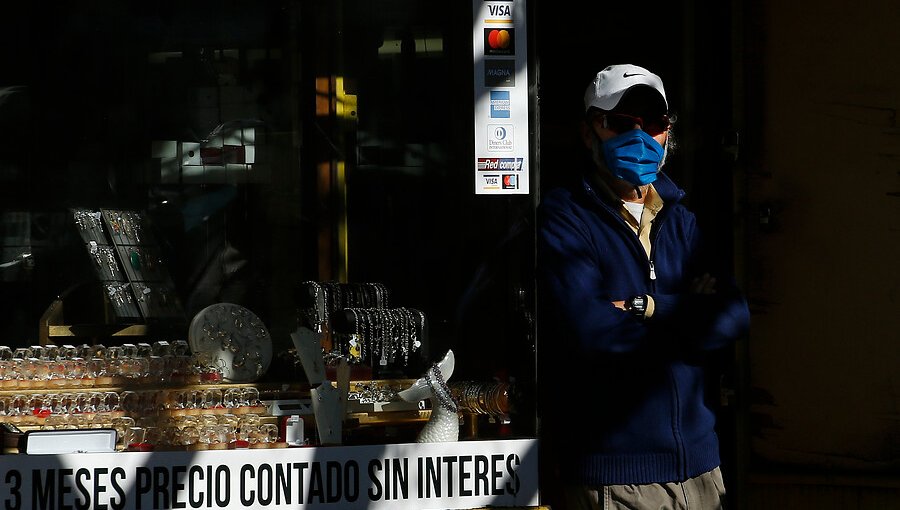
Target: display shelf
389,417
53,326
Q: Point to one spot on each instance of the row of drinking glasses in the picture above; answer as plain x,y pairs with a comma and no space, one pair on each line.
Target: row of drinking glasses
121,424
178,431
70,366
43,405
209,430
88,351
237,399
138,403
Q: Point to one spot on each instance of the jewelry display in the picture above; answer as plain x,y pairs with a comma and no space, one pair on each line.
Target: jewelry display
48,398
90,225
482,398
312,299
142,263
319,300
234,335
170,401
380,336
125,257
105,262
192,417
126,227
67,366
435,379
308,347
195,424
157,300
370,392
122,300
327,409
443,425
355,323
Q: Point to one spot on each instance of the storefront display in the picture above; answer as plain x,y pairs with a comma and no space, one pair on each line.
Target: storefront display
68,401
259,232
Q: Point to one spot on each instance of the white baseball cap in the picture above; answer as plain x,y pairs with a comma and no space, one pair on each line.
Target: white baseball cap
611,84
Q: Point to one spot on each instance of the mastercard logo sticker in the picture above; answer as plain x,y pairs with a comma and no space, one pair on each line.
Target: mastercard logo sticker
499,41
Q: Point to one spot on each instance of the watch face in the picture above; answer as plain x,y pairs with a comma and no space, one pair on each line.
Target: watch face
638,305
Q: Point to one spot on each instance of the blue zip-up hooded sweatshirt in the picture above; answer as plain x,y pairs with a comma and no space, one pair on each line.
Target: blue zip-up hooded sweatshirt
641,414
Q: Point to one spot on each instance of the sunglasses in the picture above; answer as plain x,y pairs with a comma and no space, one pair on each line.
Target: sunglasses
620,123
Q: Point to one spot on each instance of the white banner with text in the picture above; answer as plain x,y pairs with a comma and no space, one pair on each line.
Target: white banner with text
455,475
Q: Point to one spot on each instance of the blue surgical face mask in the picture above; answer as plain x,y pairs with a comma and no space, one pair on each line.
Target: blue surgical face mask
633,156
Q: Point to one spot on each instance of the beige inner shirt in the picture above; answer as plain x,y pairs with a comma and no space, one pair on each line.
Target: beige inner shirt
653,204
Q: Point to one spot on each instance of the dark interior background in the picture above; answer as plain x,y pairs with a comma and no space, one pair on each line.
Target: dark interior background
97,83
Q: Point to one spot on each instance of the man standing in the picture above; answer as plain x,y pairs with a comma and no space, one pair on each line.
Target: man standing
633,305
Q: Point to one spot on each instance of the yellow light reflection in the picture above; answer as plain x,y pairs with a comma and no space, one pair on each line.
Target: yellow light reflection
332,99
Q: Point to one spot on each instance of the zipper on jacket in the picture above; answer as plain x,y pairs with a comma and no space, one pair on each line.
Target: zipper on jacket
654,232
654,235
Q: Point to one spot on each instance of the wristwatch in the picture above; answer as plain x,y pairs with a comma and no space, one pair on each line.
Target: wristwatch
637,306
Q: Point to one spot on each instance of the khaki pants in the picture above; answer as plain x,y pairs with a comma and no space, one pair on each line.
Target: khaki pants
704,492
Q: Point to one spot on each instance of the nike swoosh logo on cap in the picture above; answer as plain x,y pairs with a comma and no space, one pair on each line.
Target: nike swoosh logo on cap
626,75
